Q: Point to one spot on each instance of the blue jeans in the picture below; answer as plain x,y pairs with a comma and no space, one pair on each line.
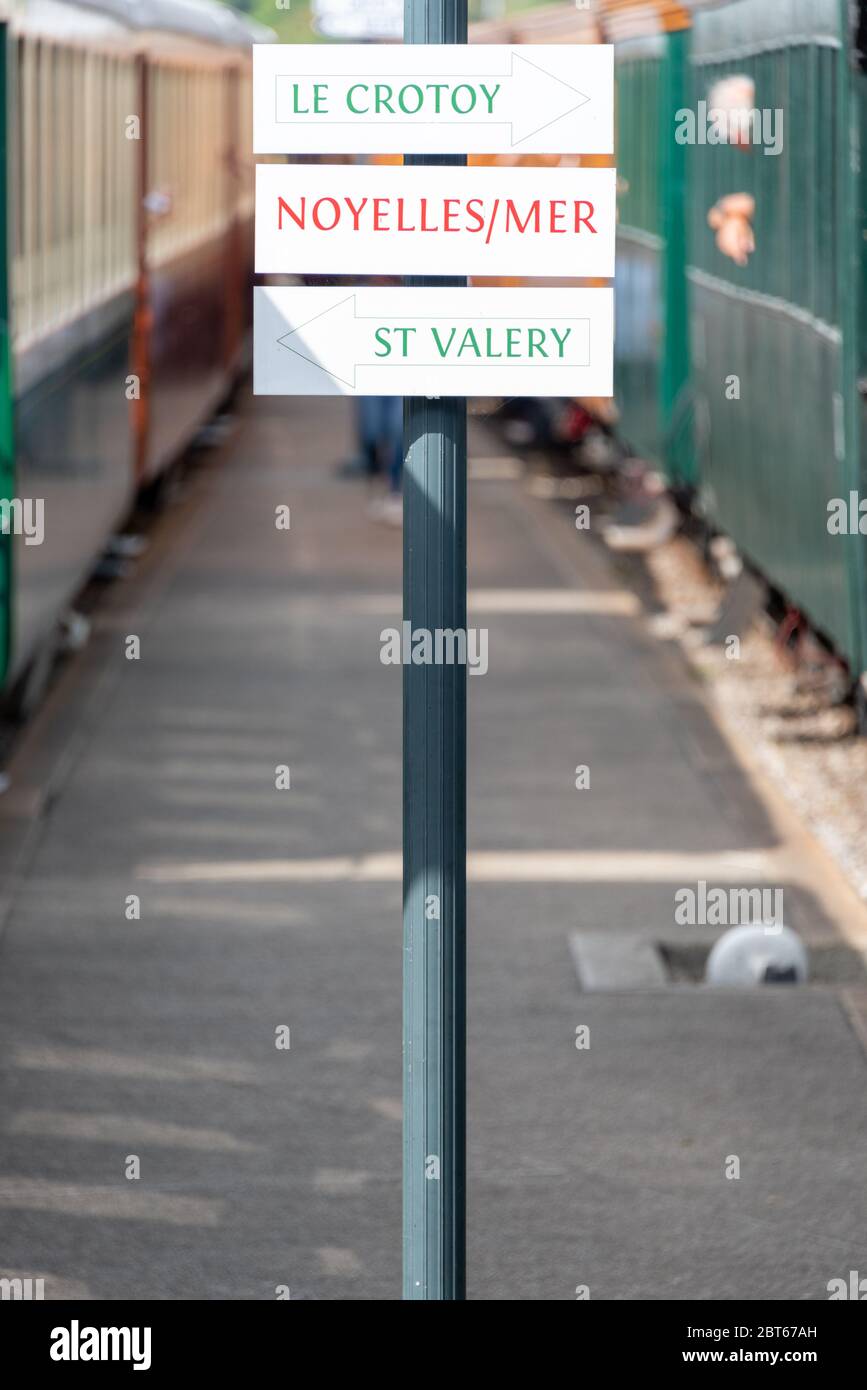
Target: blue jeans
380,427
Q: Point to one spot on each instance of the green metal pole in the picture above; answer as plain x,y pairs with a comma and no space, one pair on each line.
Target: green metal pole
434,810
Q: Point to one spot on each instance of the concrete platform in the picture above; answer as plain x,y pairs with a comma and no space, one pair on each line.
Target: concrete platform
261,909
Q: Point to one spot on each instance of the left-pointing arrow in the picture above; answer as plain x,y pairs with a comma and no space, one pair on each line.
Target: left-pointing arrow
330,335
385,340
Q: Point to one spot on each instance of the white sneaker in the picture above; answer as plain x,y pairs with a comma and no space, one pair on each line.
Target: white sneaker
387,509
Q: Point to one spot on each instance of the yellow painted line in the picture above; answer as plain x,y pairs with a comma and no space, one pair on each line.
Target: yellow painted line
487,469
142,1067
338,1263
608,603
613,603
387,1108
339,1182
488,866
123,1129
123,1202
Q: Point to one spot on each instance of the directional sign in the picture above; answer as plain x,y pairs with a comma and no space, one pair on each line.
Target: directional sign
433,342
324,219
433,99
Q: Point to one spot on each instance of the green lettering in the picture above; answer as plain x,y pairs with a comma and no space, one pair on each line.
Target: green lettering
490,95
384,94
437,88
561,342
350,99
443,351
419,98
469,99
489,334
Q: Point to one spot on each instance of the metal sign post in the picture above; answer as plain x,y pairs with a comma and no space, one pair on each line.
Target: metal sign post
433,341
434,811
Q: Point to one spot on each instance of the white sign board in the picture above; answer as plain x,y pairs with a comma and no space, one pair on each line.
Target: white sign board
433,342
359,19
337,219
433,99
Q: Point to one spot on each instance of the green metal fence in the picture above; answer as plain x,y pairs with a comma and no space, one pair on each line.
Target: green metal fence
651,367
773,343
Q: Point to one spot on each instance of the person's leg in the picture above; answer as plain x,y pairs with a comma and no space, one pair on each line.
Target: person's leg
393,440
369,432
390,440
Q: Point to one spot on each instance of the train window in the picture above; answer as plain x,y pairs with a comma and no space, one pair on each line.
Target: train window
74,172
246,191
74,220
25,57
188,173
796,259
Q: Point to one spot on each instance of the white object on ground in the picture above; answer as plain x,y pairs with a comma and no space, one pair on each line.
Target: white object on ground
757,955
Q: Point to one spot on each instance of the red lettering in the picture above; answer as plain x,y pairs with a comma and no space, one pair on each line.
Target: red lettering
356,211
380,210
451,212
555,215
283,206
401,226
477,217
582,203
317,215
534,214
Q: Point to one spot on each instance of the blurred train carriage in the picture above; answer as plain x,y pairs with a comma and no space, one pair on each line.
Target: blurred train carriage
785,325
785,333
652,359
125,274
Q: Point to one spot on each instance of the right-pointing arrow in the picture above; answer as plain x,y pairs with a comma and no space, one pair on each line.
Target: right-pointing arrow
540,99
433,98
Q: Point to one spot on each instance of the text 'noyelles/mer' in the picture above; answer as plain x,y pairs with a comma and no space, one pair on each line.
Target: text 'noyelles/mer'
554,216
